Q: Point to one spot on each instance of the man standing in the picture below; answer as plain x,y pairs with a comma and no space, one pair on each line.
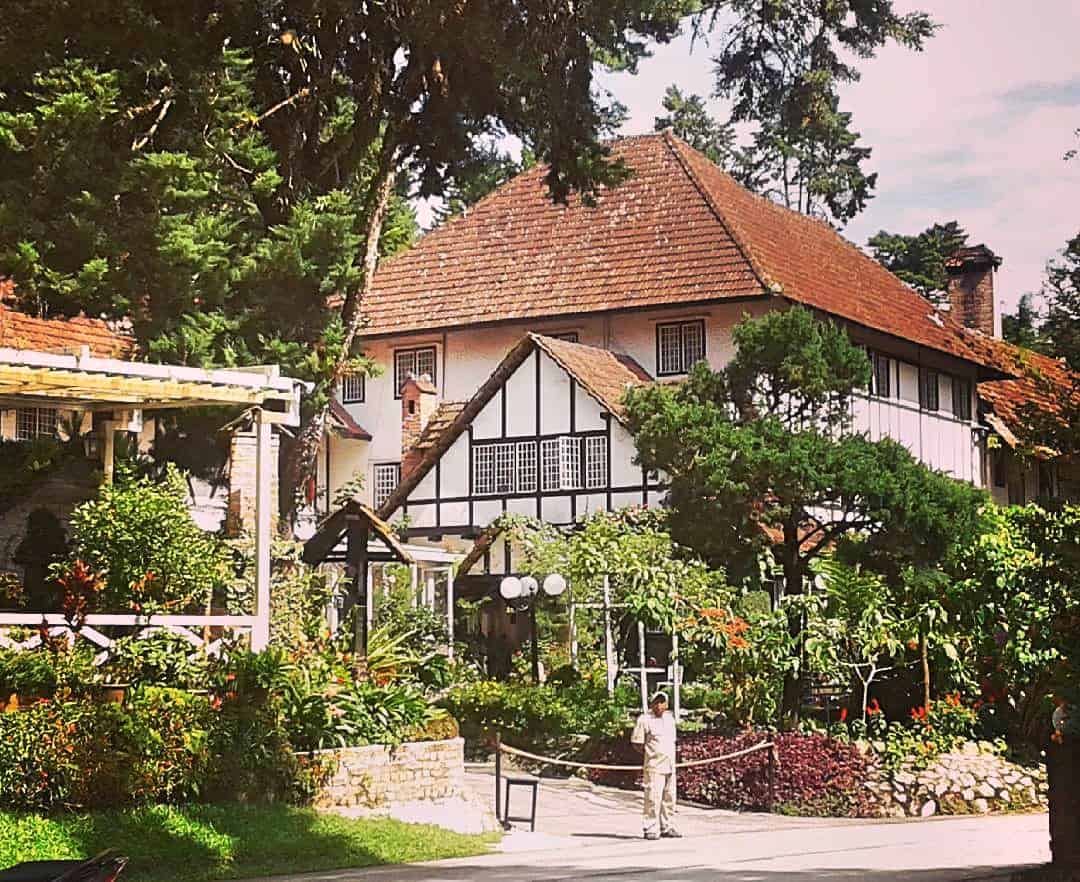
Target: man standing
654,738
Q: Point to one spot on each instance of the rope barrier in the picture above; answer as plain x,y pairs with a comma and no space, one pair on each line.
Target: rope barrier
504,748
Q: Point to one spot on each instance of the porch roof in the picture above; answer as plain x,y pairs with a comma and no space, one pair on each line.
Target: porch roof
86,382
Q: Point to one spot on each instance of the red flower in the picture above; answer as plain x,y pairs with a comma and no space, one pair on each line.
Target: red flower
843,715
919,714
873,708
216,703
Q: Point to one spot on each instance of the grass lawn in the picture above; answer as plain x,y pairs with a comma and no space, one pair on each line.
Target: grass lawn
206,842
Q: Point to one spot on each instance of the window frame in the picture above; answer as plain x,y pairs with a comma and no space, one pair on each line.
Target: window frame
375,483
882,370
961,398
685,362
414,351
566,336
39,422
925,403
508,468
344,396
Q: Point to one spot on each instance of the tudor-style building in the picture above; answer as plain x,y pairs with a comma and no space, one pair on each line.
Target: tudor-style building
656,274
508,335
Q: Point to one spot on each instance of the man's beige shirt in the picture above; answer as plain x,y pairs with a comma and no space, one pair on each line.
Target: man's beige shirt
657,734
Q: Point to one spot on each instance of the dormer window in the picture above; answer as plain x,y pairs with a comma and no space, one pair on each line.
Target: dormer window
679,346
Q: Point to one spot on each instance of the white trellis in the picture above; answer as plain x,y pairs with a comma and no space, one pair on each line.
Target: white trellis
117,393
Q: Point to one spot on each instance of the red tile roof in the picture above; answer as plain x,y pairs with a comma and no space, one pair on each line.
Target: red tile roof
346,425
1044,383
678,231
605,375
21,331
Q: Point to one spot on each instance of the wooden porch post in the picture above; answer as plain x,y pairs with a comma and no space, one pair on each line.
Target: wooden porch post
260,633
108,450
357,555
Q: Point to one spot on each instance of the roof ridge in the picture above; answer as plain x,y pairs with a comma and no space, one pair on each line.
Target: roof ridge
674,144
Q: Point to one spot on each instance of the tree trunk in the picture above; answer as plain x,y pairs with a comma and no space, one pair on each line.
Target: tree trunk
301,464
925,657
791,700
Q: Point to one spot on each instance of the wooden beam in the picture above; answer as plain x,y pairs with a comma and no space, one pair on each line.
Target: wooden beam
260,635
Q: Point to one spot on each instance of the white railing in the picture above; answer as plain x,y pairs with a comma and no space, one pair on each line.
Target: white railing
134,625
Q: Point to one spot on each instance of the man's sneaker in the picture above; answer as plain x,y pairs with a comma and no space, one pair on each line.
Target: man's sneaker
671,834
651,836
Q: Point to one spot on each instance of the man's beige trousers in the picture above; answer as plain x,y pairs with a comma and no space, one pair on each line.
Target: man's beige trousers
659,814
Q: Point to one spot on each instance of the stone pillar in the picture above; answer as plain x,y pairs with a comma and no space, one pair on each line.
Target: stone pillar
240,517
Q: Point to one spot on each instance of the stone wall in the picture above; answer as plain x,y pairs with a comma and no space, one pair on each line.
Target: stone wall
975,781
377,775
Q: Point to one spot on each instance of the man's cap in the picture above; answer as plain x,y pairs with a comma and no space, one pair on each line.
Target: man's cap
658,696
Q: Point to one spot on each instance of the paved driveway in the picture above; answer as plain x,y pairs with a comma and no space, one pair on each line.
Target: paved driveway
593,834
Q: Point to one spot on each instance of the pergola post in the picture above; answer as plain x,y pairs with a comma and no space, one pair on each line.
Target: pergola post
450,610
108,450
260,633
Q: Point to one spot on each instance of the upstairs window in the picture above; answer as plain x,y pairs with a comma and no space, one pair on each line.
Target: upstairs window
928,389
387,476
504,467
416,362
882,379
352,388
568,336
35,422
679,346
961,398
596,463
570,462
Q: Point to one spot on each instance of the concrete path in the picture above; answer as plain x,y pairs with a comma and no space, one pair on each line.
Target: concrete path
587,833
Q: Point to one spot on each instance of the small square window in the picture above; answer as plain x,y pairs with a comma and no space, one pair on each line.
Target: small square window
387,477
415,362
679,346
35,422
352,388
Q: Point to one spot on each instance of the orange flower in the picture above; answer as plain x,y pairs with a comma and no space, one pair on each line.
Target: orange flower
954,699
843,715
873,708
739,643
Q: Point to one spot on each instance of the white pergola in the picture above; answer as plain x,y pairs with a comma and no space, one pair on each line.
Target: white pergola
125,390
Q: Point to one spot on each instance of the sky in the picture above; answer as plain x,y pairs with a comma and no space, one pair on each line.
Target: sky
974,128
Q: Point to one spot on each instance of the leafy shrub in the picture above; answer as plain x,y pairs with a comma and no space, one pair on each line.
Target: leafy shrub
44,673
537,715
815,775
140,534
166,745
162,658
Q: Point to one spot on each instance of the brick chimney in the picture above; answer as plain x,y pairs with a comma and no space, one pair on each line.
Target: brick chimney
240,516
419,401
971,288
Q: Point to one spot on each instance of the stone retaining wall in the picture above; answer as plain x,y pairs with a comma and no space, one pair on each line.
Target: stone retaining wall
975,781
377,776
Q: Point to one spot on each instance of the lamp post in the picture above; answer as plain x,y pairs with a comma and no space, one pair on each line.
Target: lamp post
520,593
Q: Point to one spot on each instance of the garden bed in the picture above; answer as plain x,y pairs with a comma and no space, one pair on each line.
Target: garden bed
203,843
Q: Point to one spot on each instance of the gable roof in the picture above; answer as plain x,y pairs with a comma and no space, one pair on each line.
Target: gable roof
59,336
602,374
679,230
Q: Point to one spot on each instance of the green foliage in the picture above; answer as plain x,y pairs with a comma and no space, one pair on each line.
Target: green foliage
1021,328
919,260
140,534
783,65
162,658
538,716
45,673
1061,327
755,452
22,463
689,119
201,843
1017,597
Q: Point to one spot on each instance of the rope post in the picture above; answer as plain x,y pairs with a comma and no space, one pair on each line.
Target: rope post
498,777
772,775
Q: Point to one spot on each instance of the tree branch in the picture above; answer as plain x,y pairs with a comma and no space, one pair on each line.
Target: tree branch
139,143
